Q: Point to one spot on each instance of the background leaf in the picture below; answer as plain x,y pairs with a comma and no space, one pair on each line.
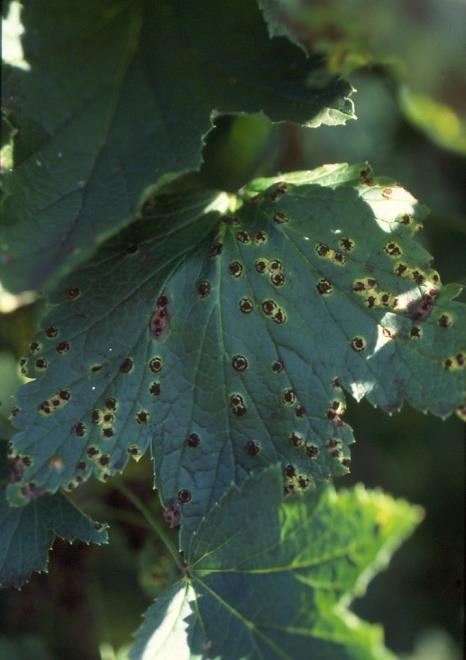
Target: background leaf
122,95
268,578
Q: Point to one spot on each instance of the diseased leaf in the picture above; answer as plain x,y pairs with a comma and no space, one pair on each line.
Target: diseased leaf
226,345
27,533
268,578
122,95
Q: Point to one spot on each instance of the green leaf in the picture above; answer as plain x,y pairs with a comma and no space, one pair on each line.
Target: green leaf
27,533
122,95
273,578
226,345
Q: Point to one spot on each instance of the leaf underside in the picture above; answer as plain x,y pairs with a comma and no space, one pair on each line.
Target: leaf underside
124,94
225,342
273,579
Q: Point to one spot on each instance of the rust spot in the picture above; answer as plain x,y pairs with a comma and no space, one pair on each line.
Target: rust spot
51,332
80,429
358,344
154,389
172,513
193,440
73,293
111,403
324,287
296,439
236,269
62,347
155,365
312,451
142,417
280,218
216,249
239,362
126,366
246,305
252,448
243,237
184,496
277,366
445,321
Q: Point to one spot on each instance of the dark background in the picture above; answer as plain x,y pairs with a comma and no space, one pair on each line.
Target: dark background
92,598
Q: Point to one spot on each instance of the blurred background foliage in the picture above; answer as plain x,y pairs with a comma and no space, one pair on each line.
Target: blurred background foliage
406,59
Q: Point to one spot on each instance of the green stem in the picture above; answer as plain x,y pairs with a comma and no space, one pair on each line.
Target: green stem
153,522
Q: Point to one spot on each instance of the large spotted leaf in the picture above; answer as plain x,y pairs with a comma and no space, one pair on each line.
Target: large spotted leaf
117,95
228,344
268,578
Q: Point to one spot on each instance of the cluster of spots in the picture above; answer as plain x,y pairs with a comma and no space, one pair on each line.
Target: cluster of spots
203,289
393,249
72,293
23,366
101,462
421,309
235,269
324,287
172,513
239,362
31,491
160,320
335,256
105,417
335,411
417,275
19,464
455,362
277,190
273,311
246,305
367,289
358,344
405,220
216,249
237,405
273,268
56,402
334,448
295,482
